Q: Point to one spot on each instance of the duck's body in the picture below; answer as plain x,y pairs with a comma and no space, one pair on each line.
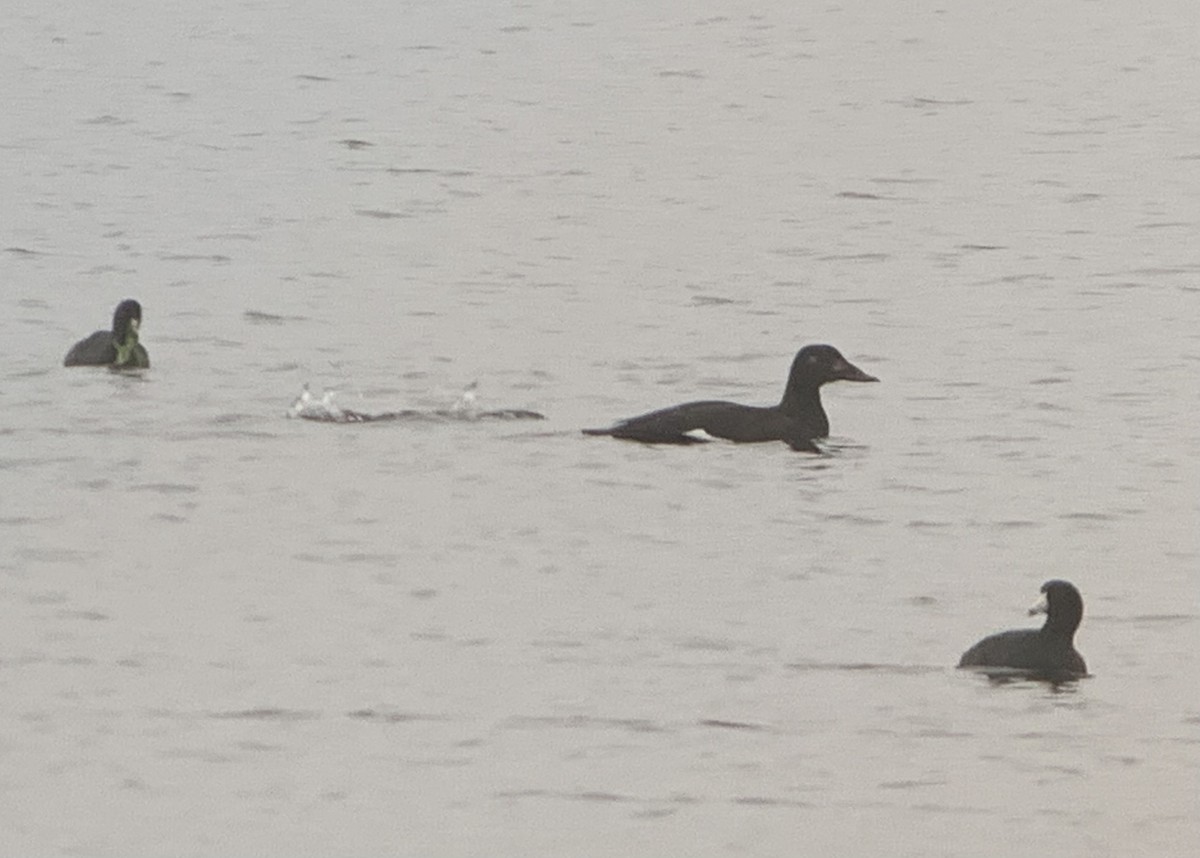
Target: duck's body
100,350
118,348
746,424
797,420
1049,650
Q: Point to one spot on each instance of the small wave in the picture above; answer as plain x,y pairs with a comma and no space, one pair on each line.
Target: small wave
584,722
568,795
387,715
1059,681
265,713
900,669
723,724
260,317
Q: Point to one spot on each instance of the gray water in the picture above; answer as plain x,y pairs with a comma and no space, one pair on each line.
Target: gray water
229,633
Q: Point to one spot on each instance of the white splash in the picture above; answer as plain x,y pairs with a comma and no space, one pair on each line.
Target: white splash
306,405
466,405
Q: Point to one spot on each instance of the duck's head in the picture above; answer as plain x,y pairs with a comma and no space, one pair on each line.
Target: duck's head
816,365
127,319
1062,605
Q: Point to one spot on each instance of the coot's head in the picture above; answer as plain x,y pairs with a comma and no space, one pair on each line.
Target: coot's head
126,318
816,365
1062,605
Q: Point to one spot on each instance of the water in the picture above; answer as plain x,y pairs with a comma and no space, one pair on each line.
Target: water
227,632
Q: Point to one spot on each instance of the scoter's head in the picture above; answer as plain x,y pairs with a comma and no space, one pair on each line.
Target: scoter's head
127,318
1063,607
816,365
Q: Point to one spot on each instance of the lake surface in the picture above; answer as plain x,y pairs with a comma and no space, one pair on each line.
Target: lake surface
230,633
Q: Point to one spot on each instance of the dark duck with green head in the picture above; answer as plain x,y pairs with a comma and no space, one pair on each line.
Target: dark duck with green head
118,348
797,420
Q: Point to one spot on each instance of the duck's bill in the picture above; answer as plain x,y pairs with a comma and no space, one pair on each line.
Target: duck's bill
847,371
1041,606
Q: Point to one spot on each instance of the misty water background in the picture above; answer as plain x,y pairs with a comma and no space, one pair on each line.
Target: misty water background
229,633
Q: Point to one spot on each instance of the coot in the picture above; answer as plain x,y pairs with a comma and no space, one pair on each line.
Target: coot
1049,650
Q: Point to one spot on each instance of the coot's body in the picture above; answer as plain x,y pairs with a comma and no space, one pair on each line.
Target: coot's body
1049,650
